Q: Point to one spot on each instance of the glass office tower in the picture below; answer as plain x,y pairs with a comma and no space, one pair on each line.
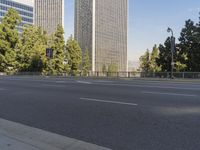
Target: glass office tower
23,7
49,14
101,26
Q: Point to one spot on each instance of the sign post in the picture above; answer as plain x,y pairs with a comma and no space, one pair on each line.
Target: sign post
49,53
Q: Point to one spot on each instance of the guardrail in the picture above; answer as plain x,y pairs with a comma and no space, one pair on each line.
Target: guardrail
183,75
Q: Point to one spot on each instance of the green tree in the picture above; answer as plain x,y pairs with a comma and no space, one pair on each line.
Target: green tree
189,54
154,56
112,68
104,68
164,59
9,39
58,48
66,62
180,66
163,62
74,55
31,55
145,61
86,63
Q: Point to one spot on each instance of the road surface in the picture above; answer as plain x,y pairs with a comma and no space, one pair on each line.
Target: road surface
116,114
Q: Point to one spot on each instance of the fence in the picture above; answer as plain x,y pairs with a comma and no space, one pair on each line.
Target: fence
191,75
184,75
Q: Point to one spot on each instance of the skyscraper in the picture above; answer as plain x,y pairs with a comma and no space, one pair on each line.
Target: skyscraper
23,7
101,27
48,14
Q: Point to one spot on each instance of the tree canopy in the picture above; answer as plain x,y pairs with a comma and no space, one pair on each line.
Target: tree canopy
186,55
74,55
26,51
9,40
86,63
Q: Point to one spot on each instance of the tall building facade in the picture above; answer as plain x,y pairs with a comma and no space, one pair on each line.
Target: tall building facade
101,27
23,7
48,14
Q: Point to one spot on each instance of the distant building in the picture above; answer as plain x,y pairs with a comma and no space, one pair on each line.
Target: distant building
23,7
101,27
48,14
133,65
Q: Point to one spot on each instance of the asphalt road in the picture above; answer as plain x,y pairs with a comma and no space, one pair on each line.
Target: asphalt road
117,114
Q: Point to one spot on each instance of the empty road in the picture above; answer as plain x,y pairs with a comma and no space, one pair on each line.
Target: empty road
116,114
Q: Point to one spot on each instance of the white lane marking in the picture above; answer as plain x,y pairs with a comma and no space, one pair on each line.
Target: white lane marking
148,86
84,82
103,81
60,82
170,94
108,101
51,85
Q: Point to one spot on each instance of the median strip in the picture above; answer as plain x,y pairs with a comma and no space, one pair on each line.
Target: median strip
108,101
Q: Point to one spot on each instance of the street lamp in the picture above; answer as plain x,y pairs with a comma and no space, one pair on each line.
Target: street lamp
173,41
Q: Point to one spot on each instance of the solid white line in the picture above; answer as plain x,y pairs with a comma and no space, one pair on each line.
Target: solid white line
170,94
84,82
107,101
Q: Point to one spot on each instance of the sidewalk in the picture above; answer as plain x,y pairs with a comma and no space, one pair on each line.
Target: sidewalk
15,136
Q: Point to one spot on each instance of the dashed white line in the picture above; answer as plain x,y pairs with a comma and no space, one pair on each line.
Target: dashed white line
60,81
51,85
108,101
103,81
84,82
170,94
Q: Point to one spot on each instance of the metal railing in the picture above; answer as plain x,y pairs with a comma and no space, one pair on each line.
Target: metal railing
183,75
179,75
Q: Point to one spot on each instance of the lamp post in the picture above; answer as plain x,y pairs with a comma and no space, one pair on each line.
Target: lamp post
173,41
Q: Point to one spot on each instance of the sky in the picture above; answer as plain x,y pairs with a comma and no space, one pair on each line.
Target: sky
148,22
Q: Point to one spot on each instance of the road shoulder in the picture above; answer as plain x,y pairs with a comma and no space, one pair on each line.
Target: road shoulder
17,136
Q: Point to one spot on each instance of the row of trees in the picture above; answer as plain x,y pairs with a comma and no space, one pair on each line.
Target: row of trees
187,54
27,51
148,60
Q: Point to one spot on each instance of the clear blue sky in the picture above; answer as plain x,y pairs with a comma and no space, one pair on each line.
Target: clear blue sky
148,21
